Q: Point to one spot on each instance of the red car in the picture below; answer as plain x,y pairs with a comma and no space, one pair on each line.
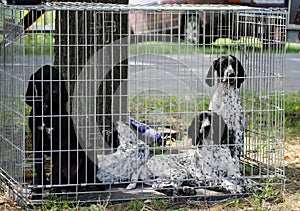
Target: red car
191,26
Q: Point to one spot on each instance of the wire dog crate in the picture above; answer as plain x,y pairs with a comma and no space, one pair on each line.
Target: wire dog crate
131,78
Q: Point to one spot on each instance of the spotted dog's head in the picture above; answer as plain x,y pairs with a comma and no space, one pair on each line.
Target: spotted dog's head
229,71
208,128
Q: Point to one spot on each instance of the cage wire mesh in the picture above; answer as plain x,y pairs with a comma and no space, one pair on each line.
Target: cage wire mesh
130,80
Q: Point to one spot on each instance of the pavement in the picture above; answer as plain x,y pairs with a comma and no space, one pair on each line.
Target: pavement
166,74
185,74
292,79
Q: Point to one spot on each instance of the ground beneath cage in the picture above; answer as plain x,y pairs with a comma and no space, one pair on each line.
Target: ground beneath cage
291,199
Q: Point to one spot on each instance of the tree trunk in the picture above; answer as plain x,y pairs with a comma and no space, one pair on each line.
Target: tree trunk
95,70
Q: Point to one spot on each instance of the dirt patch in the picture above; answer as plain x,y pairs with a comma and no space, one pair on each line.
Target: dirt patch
6,203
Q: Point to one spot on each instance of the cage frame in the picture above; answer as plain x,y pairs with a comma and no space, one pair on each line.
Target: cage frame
20,193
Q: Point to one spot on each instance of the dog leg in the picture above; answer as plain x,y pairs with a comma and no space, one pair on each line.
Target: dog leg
55,176
135,177
39,159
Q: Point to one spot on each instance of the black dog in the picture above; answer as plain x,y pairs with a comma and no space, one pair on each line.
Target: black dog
53,132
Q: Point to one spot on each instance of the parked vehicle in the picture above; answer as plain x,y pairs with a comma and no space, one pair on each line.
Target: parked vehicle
260,3
192,27
293,26
187,26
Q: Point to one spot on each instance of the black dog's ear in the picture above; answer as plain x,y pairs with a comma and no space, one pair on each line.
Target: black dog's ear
31,92
241,72
210,79
219,129
64,93
194,131
63,90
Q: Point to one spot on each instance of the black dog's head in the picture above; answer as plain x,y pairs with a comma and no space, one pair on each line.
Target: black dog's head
208,126
229,70
46,86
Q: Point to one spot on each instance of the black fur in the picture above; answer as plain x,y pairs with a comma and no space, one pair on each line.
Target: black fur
53,132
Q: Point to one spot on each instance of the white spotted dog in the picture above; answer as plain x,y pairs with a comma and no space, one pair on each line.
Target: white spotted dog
127,158
209,165
226,99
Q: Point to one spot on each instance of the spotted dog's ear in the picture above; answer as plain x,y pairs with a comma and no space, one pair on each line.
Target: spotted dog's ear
32,92
240,72
219,129
210,79
196,130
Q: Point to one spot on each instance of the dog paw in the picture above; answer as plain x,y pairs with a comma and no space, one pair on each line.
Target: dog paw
165,188
131,186
187,191
231,187
161,186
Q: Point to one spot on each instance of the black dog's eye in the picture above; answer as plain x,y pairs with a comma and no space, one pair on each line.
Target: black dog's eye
46,86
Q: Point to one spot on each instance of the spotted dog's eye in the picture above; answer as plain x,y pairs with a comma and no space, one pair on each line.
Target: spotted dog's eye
224,64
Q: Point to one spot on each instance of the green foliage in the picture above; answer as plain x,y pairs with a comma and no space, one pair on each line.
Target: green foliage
38,43
175,48
135,204
47,19
54,203
248,42
292,47
257,201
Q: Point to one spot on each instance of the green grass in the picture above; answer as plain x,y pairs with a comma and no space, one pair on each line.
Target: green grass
175,48
167,111
220,46
39,44
292,114
257,201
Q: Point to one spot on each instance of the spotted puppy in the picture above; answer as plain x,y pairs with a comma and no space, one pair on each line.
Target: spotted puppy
208,165
229,74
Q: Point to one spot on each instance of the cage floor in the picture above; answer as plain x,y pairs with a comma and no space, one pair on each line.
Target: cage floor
119,194
113,193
